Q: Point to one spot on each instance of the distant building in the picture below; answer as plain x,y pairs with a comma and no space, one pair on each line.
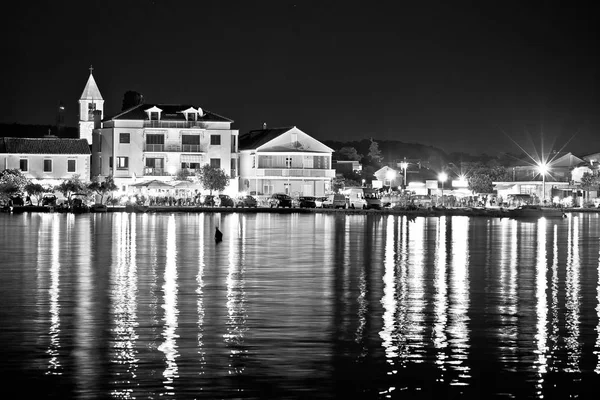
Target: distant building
284,160
48,160
345,166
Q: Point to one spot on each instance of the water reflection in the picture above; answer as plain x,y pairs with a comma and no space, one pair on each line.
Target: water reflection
124,306
147,306
171,311
458,329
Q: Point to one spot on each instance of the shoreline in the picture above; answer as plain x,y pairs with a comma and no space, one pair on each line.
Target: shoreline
426,212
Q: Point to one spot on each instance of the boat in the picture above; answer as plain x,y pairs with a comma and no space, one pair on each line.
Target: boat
98,208
136,208
536,211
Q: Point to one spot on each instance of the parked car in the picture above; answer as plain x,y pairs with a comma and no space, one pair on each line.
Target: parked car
319,201
280,200
246,201
226,201
421,200
208,200
336,200
307,202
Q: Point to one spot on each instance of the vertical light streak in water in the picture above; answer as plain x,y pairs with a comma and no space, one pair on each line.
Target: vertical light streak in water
541,286
363,309
508,294
124,301
236,299
416,290
200,294
440,301
572,299
388,301
84,311
54,365
554,334
459,299
597,349
169,345
402,293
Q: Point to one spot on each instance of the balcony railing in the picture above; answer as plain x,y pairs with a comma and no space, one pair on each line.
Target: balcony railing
148,171
178,148
298,173
175,124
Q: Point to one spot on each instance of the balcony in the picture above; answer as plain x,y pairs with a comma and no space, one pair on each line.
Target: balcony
176,148
295,173
148,171
175,124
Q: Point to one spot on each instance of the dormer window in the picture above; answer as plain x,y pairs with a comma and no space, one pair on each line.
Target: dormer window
154,116
153,113
191,116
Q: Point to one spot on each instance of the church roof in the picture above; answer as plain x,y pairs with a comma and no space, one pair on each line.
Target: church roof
170,112
256,138
91,91
12,145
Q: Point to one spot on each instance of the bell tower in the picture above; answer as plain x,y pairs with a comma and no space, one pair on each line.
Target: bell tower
91,107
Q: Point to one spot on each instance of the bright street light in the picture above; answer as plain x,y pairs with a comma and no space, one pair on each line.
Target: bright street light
442,177
390,175
404,166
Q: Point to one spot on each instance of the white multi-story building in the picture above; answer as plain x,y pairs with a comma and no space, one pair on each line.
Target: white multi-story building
155,141
284,160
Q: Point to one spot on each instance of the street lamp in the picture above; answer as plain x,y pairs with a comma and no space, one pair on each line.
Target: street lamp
442,177
543,167
390,175
404,166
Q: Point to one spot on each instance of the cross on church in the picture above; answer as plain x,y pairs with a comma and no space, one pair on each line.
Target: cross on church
91,69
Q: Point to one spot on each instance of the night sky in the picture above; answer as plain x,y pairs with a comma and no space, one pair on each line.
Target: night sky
459,76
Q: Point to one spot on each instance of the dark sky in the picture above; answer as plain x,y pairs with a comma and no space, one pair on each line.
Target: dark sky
462,76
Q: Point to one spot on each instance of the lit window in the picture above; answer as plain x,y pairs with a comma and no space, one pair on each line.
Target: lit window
122,162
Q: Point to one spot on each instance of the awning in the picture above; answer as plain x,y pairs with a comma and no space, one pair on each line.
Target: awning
191,158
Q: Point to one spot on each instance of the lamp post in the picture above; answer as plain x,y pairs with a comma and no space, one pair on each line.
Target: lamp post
543,169
442,177
404,166
390,176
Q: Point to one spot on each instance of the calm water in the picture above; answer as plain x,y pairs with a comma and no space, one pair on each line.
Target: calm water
295,306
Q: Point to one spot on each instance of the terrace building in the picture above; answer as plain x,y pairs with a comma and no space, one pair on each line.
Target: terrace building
49,160
284,160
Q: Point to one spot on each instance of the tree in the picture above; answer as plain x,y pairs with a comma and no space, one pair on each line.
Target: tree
36,190
102,188
212,178
183,174
374,153
70,187
588,182
12,183
481,176
349,153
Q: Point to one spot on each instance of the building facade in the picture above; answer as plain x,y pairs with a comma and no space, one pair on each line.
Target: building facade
49,160
156,141
284,160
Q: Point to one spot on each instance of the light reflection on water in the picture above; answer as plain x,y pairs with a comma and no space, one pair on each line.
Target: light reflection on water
301,305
